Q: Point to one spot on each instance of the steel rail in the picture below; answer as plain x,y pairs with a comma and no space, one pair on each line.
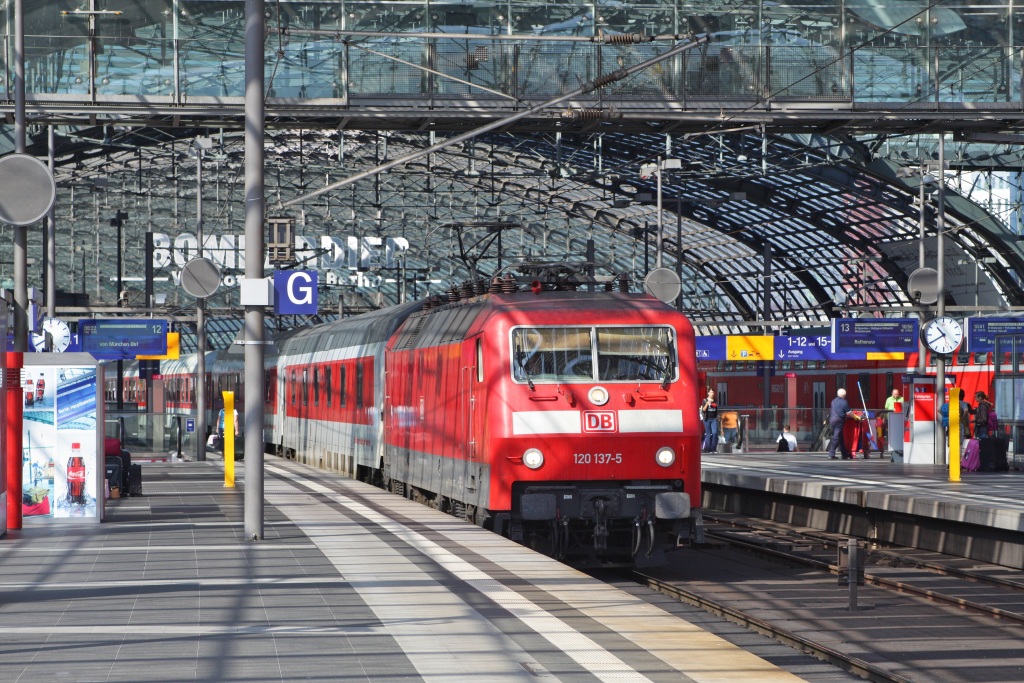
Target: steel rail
881,582
827,654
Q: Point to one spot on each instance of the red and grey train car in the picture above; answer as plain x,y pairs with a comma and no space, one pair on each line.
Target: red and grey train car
565,420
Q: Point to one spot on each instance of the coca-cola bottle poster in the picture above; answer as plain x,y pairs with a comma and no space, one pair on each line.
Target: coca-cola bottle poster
75,457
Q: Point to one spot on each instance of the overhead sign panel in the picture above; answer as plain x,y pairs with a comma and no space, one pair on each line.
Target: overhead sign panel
981,332
749,347
891,335
711,347
295,292
123,339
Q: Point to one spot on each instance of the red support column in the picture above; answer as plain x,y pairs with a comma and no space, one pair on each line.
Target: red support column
15,404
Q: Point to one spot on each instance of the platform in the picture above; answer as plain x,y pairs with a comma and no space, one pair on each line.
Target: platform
350,583
981,516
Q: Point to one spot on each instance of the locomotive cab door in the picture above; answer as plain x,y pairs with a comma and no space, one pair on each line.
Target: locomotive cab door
470,417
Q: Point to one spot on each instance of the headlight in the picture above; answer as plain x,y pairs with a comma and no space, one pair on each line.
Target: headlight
665,456
598,396
533,458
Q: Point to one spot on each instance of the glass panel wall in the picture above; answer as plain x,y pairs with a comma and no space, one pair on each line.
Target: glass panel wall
910,52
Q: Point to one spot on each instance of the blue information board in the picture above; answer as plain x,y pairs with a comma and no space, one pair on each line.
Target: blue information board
891,335
122,338
981,332
711,347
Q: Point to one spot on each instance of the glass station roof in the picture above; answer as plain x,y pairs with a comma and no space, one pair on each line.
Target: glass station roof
759,221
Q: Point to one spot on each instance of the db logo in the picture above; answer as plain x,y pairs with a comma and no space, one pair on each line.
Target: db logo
599,421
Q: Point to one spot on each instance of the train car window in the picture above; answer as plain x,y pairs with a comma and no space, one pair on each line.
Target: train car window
890,383
799,365
316,386
305,387
841,381
328,387
294,384
342,387
636,354
479,360
359,385
785,365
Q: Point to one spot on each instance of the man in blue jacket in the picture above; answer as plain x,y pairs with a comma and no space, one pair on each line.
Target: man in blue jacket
836,420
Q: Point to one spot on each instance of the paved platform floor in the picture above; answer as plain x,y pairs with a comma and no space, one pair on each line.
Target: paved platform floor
990,499
349,584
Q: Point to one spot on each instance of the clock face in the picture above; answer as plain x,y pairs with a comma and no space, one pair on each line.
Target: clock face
60,332
943,335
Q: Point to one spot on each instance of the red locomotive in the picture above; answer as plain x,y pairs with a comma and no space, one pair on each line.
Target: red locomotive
565,420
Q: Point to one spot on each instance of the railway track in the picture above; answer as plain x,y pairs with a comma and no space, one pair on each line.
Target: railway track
812,548
980,593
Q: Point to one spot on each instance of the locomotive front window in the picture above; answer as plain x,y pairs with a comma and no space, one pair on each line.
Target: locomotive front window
567,354
645,354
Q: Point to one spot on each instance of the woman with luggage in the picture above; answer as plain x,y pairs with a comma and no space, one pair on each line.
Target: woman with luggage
980,412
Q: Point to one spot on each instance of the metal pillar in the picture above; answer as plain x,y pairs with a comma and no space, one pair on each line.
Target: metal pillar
940,310
657,260
51,237
20,231
200,322
14,360
254,248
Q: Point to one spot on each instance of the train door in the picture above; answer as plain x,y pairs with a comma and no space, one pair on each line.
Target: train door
863,390
471,399
819,400
722,393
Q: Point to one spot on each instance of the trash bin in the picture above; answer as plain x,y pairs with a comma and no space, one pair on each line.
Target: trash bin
855,434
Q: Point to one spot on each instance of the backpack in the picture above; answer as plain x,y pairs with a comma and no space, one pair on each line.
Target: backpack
992,421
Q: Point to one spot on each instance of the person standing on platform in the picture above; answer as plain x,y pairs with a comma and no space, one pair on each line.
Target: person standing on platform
221,420
837,420
730,426
980,413
893,404
709,413
965,418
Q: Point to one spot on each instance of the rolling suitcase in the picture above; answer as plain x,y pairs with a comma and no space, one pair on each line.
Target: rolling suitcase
126,472
971,460
992,451
135,484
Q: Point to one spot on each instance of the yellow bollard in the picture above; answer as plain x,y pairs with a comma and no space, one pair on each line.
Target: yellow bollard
953,440
229,438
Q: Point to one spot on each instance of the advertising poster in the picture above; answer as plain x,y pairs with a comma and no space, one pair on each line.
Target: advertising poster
59,456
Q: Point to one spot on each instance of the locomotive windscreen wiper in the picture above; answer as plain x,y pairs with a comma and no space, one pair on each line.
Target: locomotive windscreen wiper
670,364
521,361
